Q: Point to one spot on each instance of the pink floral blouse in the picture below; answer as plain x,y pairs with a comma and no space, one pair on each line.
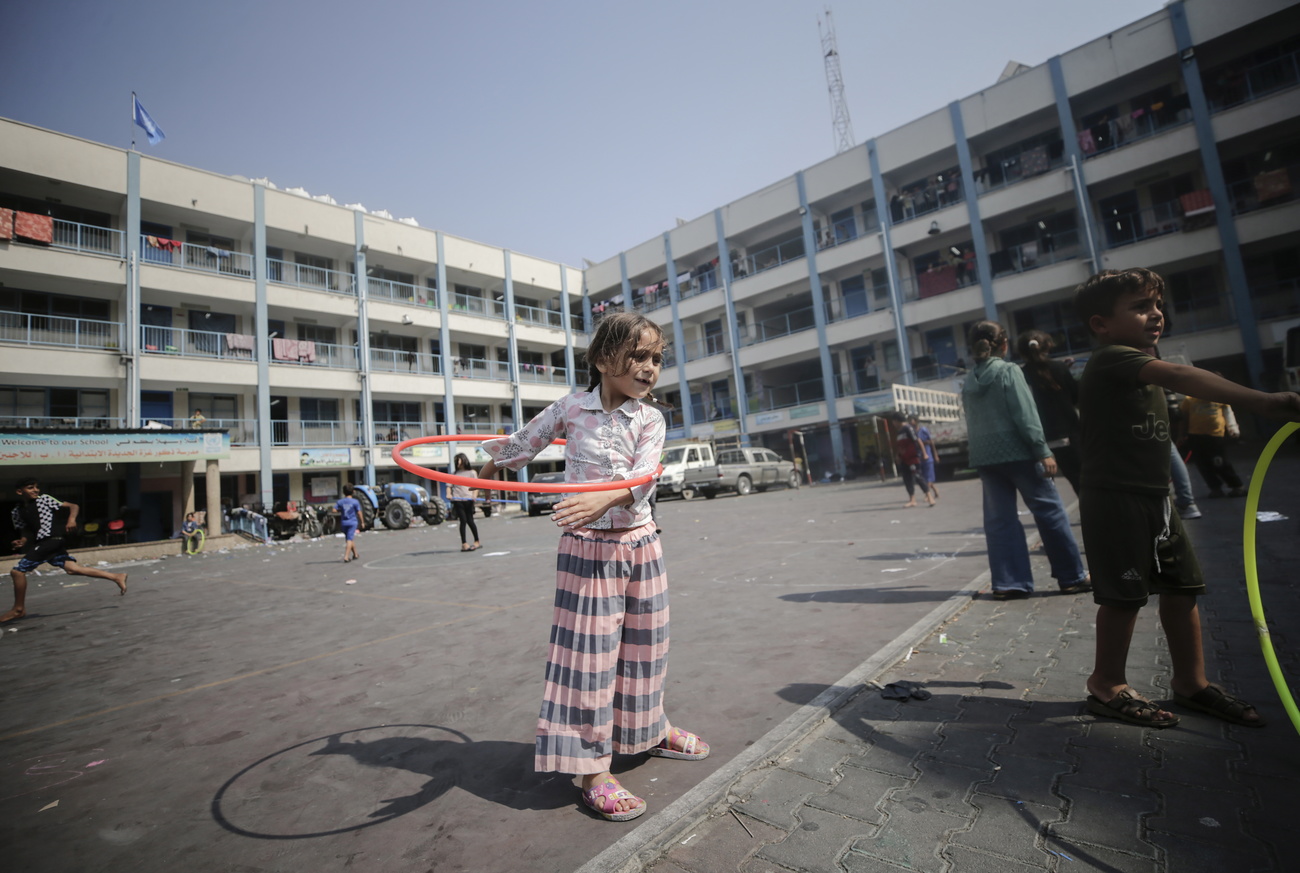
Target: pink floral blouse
599,446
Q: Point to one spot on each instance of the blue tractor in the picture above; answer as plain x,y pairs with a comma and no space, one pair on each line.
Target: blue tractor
397,503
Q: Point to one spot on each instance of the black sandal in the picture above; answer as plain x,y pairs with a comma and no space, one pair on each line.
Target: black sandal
1214,700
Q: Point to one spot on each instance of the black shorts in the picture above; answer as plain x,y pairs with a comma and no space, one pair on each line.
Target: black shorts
1136,547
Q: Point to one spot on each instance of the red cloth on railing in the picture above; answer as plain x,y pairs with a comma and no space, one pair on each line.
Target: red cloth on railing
37,228
940,280
1272,185
6,223
1197,202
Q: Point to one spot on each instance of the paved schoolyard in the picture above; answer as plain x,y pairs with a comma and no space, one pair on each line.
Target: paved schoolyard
252,710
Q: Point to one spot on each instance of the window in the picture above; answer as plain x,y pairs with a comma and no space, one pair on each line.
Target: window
854,291
890,350
318,409
313,270
317,333
1056,318
217,408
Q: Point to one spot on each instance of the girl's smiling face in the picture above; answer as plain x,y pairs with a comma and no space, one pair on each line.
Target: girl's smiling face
633,374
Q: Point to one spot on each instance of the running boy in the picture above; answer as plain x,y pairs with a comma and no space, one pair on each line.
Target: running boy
1136,546
34,520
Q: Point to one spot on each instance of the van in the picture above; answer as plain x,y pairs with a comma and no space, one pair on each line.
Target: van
677,460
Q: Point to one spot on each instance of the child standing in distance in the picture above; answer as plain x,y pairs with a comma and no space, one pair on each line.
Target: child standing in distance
926,439
350,520
1136,546
462,503
911,460
609,638
33,518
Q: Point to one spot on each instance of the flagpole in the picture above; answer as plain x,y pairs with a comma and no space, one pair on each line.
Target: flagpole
132,121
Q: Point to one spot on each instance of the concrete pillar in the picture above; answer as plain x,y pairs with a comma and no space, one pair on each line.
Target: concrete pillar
187,488
212,479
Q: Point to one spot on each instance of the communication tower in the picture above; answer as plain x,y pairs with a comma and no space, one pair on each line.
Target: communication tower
841,125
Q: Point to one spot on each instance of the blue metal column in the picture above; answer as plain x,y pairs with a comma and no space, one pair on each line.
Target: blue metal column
565,313
131,346
363,344
627,286
982,266
829,388
512,354
891,268
448,367
262,331
733,329
679,339
586,305
1232,261
1070,138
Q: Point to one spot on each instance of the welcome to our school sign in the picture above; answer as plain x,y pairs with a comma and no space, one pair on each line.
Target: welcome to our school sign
25,449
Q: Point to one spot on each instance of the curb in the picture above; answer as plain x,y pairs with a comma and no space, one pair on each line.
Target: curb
651,839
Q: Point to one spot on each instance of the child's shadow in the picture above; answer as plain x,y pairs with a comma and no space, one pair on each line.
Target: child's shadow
497,771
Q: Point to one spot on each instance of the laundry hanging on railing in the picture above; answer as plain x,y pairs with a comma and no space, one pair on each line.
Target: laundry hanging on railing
6,223
34,228
1272,185
159,242
239,342
1197,202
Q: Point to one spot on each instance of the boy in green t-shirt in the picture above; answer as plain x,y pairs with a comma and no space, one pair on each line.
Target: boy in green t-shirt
1136,546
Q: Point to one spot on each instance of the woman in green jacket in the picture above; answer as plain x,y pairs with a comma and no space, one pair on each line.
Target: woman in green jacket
1008,448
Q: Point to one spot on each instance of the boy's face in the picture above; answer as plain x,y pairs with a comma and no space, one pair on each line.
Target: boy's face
29,492
1136,321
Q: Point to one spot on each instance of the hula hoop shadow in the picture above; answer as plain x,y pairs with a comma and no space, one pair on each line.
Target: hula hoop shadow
1252,570
497,485
498,771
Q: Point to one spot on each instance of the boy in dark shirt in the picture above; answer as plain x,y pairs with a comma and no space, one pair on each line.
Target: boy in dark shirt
34,518
1136,546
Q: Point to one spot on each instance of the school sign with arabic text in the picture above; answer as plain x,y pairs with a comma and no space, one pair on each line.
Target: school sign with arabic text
80,447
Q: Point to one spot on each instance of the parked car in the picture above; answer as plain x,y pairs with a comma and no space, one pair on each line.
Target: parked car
539,501
676,460
742,471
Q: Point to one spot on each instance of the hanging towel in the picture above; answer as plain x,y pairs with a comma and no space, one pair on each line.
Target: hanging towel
280,350
307,351
1272,185
36,228
1197,202
6,223
241,341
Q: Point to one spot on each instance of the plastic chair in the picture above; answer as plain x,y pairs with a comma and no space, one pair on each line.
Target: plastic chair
116,531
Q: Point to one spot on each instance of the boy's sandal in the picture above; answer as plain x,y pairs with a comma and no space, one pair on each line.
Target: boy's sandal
682,745
1217,702
1078,587
603,799
1128,707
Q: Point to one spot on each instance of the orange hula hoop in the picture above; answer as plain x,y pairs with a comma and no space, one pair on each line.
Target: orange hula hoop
497,485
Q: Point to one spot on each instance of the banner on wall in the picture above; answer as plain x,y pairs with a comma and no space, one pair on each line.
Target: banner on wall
324,486
325,458
81,448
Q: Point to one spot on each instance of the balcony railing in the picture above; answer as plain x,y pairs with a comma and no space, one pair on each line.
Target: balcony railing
704,348
1268,188
769,257
915,202
87,238
56,330
858,382
540,316
389,432
310,353
1126,228
478,368
46,422
401,292
792,394
472,305
1061,246
1276,299
470,426
1128,130
1233,87
398,361
782,325
185,256
1029,163
700,283
543,373
310,278
194,343
938,280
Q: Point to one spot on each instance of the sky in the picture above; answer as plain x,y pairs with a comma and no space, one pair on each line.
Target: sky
568,130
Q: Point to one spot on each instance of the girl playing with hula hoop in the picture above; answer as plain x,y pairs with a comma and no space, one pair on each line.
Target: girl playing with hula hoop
609,637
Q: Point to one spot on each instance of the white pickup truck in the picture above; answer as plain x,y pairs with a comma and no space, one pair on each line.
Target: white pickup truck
677,460
743,471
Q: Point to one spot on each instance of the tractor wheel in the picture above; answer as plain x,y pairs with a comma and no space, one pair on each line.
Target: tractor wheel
436,512
397,514
368,515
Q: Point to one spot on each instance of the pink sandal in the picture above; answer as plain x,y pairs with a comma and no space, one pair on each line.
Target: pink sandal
682,745
603,800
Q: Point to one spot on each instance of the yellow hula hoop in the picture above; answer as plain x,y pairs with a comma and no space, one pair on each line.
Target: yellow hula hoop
1252,571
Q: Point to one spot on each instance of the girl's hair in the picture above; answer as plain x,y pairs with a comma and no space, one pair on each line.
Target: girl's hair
984,339
1035,346
616,339
462,461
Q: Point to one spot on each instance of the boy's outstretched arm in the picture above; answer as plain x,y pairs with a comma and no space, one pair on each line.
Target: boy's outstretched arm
1205,385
